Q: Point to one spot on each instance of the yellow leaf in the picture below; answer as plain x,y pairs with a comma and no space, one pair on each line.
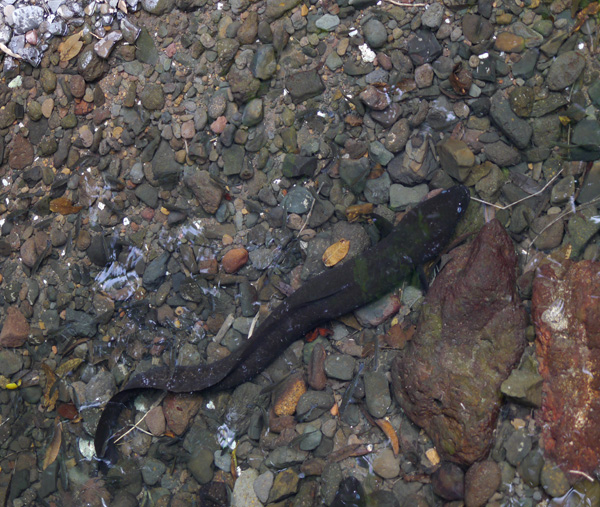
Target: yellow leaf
50,396
68,366
389,431
71,47
304,10
64,206
54,447
356,211
432,456
336,252
565,120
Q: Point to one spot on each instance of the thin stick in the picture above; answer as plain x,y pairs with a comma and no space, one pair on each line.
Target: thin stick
561,216
310,211
520,200
224,328
402,4
155,404
253,324
578,472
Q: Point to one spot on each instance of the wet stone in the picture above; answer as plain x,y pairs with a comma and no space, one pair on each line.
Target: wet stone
448,481
401,196
89,65
152,471
27,18
327,22
553,480
354,173
304,85
517,447
530,468
481,482
386,465
433,15
21,153
152,97
375,33
502,154
298,200
565,70
200,465
516,129
377,393
476,29
340,366
423,47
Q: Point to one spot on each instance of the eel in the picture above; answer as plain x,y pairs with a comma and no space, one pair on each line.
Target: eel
419,238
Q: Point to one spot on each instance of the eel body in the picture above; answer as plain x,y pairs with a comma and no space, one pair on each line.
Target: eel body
420,236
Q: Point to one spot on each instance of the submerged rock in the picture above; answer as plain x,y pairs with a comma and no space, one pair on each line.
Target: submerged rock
566,315
470,336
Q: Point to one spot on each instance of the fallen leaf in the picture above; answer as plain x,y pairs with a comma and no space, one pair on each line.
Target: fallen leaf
584,14
357,211
68,367
67,411
565,120
336,252
71,47
50,395
461,79
432,456
54,447
64,206
389,431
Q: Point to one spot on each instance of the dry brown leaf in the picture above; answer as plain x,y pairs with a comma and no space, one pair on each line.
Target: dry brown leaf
54,447
70,47
64,206
389,431
336,252
356,211
584,14
461,79
49,399
68,367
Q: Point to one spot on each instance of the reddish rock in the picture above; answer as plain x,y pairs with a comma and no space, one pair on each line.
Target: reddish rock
218,125
317,379
82,107
471,334
77,86
566,313
481,482
15,329
179,410
33,247
208,193
21,153
155,420
234,260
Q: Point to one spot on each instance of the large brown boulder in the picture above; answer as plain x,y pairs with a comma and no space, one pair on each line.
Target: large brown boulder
471,334
566,313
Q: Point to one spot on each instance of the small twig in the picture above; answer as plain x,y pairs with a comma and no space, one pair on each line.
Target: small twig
561,216
310,211
136,425
520,200
253,324
224,328
403,4
578,472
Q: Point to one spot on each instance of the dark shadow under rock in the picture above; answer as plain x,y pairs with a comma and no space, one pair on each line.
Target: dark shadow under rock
471,334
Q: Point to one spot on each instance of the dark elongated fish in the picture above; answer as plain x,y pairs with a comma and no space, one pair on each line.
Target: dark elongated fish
417,239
